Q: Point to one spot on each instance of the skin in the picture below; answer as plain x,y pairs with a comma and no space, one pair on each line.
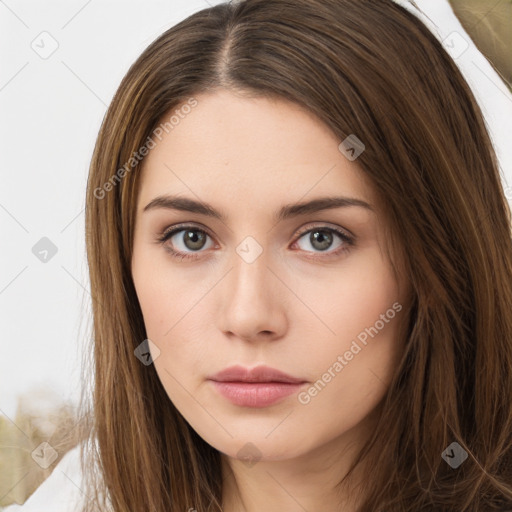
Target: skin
294,308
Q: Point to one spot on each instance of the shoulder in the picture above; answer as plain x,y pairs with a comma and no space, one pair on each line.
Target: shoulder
61,490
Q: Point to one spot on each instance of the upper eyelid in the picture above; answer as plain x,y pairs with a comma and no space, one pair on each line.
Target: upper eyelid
309,226
328,226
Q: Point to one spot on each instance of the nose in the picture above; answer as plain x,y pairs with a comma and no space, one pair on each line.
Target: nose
252,301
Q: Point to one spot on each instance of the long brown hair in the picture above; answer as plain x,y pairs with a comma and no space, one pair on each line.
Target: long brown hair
369,68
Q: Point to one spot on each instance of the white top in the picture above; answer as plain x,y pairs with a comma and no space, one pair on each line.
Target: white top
62,489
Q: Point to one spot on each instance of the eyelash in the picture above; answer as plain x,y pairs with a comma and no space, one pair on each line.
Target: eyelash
170,232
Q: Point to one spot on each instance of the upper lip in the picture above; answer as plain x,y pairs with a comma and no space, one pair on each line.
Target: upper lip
258,374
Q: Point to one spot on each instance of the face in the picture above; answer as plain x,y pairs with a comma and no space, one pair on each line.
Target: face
251,280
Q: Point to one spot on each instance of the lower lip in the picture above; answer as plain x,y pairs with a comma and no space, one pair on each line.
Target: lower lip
256,394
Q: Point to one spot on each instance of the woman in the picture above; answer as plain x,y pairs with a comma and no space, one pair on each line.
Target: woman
300,259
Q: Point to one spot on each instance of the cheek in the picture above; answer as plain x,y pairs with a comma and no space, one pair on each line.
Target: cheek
166,296
174,307
170,321
353,367
367,301
351,300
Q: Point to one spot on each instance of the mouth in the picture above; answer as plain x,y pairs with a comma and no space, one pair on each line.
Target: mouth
258,387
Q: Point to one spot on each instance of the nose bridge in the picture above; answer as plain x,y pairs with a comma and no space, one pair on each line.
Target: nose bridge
250,272
251,298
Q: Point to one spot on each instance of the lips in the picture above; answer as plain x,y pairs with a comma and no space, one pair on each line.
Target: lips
257,374
257,387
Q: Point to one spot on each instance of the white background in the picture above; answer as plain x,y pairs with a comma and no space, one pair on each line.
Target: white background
50,113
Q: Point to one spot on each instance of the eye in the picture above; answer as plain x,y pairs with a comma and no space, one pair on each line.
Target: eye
186,238
322,238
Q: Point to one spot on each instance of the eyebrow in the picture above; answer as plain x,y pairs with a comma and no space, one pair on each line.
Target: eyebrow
286,212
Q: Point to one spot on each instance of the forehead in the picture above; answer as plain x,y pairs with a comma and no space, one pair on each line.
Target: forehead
236,149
